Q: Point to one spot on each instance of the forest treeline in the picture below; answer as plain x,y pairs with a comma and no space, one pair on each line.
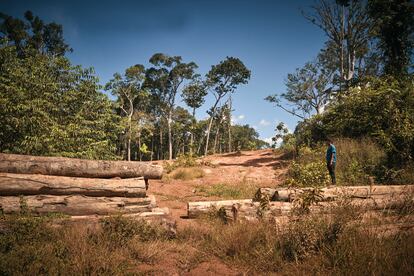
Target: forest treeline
358,90
52,107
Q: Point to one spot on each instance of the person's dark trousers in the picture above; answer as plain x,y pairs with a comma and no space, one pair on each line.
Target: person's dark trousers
331,170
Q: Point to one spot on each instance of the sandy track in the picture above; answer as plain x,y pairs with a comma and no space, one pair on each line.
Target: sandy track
262,168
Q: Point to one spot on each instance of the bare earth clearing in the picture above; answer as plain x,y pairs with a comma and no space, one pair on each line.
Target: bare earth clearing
260,168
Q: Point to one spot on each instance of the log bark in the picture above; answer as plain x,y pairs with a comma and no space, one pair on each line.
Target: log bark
76,205
154,213
248,209
195,209
36,184
332,193
61,166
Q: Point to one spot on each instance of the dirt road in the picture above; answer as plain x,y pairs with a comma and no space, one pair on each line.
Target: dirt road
261,168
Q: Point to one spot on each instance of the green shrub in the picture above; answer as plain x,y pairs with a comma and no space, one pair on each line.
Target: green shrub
313,174
358,163
182,161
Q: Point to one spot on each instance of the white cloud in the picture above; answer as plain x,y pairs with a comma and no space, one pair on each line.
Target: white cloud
268,140
263,122
236,119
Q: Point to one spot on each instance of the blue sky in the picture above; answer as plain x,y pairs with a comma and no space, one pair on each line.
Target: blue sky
271,37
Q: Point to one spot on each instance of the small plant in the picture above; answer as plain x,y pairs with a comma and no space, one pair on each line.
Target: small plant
313,174
306,199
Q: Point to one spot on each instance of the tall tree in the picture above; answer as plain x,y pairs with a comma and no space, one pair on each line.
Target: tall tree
193,95
50,107
165,79
347,26
307,89
394,26
35,34
223,80
131,94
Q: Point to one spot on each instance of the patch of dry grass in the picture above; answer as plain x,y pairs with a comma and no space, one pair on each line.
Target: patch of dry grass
185,174
229,191
317,244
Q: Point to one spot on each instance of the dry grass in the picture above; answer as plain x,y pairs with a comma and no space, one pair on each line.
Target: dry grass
310,244
185,174
229,191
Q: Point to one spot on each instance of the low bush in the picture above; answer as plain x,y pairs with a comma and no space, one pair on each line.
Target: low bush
182,161
359,162
313,174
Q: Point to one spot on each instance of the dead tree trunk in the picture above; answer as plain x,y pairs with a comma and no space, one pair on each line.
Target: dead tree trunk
35,184
26,164
76,205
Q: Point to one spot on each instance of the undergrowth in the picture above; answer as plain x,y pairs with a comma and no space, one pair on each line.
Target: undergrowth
229,191
309,244
359,162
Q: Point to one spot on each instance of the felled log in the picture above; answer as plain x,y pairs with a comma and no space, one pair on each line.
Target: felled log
195,209
242,209
75,205
154,213
26,164
36,184
331,193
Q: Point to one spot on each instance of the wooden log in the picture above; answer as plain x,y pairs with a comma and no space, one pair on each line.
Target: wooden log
154,213
26,164
240,209
75,205
195,209
36,184
332,193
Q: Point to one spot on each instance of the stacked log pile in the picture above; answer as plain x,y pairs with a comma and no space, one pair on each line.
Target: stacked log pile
276,203
76,187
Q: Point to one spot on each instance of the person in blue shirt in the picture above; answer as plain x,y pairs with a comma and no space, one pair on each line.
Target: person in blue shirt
331,160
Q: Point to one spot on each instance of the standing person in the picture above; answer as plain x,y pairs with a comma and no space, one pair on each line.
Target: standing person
331,160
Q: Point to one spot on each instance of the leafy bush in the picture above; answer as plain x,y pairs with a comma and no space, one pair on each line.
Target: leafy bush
358,163
313,174
182,161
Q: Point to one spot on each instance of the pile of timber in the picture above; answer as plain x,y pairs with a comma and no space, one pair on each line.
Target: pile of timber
279,202
76,187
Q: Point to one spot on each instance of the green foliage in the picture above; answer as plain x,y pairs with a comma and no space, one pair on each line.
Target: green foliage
306,199
381,113
34,34
313,174
393,27
359,162
182,161
53,108
384,110
246,138
306,89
